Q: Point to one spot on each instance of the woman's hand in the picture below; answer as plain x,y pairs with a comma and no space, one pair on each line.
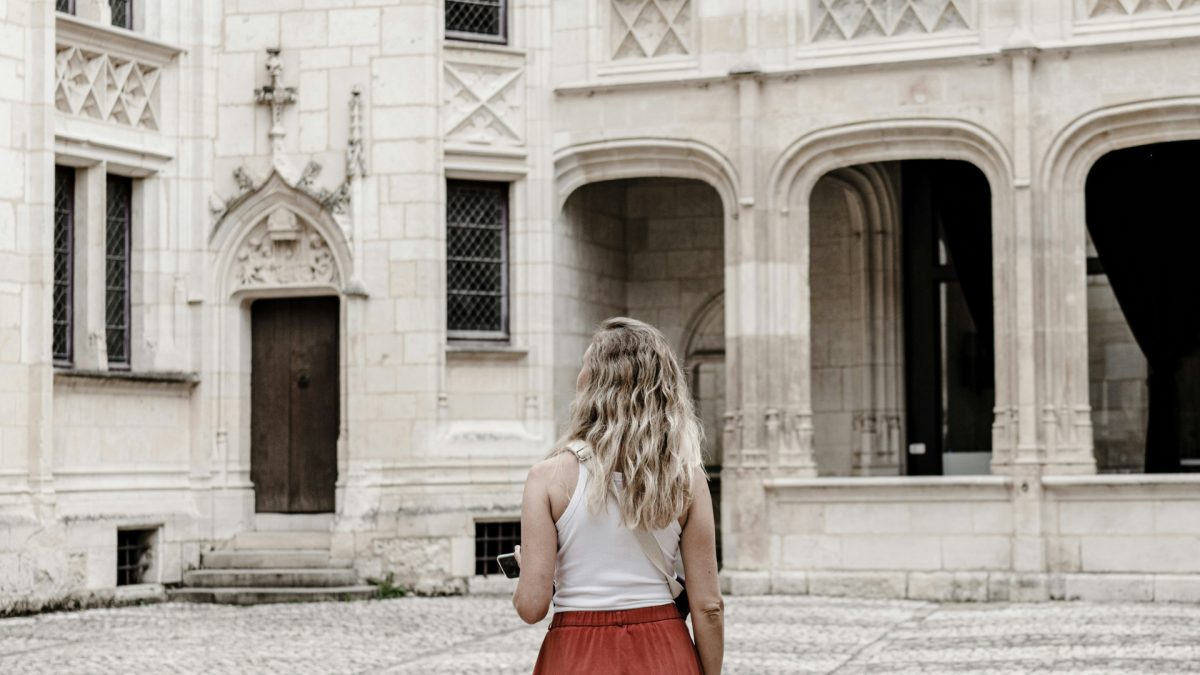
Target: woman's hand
517,555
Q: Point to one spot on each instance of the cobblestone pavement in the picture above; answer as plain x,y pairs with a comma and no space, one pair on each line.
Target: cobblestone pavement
483,635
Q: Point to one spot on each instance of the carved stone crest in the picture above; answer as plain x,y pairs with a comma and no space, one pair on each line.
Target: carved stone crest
284,250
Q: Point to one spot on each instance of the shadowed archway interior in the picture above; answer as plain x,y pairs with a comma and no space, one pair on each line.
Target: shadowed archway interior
1142,223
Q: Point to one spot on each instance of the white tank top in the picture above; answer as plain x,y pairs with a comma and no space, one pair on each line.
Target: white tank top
601,567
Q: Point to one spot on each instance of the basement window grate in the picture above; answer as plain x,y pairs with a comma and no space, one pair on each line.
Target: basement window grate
135,553
492,539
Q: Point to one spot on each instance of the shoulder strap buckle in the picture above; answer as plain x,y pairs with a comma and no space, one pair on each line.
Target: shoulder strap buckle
581,450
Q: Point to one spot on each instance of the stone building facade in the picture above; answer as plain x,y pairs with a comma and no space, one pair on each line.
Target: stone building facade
329,266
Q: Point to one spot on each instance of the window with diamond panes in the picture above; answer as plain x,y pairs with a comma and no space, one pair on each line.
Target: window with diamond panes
118,226
64,235
476,260
66,6
122,13
480,20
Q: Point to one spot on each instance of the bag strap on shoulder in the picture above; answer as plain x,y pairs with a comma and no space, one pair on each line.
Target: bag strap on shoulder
581,450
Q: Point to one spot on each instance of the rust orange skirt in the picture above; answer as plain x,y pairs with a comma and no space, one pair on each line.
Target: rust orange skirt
650,641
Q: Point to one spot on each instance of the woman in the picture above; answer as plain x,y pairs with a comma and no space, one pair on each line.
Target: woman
629,460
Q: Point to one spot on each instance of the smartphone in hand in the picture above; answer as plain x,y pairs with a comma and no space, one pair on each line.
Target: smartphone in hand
508,563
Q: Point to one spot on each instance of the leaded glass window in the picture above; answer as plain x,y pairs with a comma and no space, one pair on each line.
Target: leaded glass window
116,269
481,20
477,260
67,6
64,234
122,13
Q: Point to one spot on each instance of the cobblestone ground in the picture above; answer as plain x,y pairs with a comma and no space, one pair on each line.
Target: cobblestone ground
483,635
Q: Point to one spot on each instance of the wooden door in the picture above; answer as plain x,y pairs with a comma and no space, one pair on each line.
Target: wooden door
294,414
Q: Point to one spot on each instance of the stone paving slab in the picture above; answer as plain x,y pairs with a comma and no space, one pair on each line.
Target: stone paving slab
483,635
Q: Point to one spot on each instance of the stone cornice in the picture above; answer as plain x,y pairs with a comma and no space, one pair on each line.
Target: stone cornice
129,44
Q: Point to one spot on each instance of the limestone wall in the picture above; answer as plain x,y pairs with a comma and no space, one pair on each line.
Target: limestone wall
837,323
1125,537
1131,538
647,249
675,234
891,537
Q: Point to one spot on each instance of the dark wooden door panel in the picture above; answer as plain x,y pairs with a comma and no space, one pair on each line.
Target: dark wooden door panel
294,404
270,431
314,405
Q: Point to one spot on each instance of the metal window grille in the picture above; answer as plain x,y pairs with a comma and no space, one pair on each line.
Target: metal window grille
493,539
64,236
477,260
122,13
66,6
118,227
479,20
135,553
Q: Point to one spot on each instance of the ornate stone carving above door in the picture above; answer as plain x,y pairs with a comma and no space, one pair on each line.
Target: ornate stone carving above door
284,250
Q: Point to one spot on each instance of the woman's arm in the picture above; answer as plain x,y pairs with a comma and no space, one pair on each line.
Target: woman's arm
698,544
539,547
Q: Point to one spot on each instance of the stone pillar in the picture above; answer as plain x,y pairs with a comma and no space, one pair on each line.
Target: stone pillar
769,425
1026,455
743,527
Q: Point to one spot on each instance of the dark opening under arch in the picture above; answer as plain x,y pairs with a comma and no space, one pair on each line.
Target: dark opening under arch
1143,222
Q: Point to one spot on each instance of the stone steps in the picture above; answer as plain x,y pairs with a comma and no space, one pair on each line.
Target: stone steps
270,559
303,539
273,566
270,578
260,596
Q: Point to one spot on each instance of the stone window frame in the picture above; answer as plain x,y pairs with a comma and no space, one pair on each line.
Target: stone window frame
64,178
130,16
139,17
501,38
503,333
88,332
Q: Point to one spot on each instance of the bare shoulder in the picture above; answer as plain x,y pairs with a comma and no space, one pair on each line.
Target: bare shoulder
555,479
547,469
554,471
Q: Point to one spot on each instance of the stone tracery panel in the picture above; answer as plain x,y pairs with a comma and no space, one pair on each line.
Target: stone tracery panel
834,20
484,103
1098,9
284,250
106,87
650,28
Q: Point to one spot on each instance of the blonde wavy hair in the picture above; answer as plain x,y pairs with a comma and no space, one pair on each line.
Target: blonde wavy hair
636,413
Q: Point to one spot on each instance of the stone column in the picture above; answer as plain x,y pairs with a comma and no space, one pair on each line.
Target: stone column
769,425
1024,452
743,508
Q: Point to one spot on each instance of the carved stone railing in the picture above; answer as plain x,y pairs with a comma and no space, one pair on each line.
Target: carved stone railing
109,75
